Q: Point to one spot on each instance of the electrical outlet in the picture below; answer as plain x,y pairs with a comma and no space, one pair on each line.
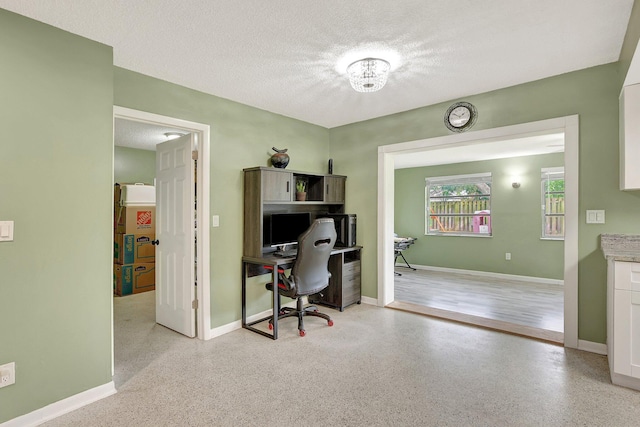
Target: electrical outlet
7,374
507,256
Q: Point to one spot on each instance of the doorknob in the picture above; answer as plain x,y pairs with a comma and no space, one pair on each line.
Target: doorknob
155,242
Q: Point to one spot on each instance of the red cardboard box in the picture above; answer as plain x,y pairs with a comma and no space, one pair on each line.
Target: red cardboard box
136,220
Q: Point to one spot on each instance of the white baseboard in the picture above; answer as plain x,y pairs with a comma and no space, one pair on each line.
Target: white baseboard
489,274
230,327
369,300
625,381
225,329
61,407
592,347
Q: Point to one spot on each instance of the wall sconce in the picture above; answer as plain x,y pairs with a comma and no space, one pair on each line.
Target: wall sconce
516,182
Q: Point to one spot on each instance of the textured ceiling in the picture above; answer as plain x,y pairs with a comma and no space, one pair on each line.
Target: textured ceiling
140,135
482,150
290,56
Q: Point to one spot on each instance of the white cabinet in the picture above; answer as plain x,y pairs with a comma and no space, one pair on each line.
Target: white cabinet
630,137
624,323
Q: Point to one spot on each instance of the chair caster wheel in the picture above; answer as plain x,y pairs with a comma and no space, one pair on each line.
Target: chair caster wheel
302,332
330,322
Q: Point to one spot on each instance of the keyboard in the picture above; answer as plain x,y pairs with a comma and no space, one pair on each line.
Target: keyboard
286,254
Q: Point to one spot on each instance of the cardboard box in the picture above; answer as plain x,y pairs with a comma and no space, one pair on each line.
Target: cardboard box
136,220
137,194
134,278
134,248
116,195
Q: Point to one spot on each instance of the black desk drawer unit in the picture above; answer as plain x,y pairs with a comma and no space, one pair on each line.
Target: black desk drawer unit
344,285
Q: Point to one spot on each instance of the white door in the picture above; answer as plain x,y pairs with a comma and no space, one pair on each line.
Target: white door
175,233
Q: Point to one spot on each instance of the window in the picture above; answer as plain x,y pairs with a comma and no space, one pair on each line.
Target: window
552,203
458,205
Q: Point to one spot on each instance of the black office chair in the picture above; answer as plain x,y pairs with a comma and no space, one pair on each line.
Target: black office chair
310,272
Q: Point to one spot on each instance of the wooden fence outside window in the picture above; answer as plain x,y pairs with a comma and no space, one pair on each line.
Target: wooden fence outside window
457,216
554,216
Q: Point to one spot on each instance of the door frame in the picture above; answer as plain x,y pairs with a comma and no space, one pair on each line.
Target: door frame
568,125
202,132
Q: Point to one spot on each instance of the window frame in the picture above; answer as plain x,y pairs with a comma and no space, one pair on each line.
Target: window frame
476,178
546,175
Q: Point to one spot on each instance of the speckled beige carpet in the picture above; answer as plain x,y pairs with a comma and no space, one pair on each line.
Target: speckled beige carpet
375,367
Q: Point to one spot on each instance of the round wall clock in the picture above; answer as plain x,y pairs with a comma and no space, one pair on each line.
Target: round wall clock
460,116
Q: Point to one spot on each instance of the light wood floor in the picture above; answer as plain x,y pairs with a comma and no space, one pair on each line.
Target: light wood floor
524,308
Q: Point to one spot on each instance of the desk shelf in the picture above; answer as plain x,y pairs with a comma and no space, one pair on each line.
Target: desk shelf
343,289
271,190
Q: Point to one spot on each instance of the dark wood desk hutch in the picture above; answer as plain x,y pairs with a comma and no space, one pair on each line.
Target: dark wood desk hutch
270,191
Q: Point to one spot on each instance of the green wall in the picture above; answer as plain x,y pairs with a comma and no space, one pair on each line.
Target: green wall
591,93
241,137
58,91
515,220
55,183
131,165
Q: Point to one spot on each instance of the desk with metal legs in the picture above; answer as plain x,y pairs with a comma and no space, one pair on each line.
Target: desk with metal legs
345,279
260,262
401,244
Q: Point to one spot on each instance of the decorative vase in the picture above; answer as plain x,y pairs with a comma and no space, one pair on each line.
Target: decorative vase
301,197
280,159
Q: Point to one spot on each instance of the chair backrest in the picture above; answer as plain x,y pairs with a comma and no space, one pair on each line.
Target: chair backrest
310,272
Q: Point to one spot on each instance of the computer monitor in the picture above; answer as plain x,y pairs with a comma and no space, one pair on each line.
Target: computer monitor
286,227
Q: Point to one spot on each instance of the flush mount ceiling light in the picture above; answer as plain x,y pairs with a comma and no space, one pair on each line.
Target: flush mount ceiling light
172,135
369,74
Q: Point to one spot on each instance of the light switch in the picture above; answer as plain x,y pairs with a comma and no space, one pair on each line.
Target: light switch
215,221
595,217
6,231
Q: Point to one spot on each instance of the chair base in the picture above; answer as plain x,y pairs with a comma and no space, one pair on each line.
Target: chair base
300,312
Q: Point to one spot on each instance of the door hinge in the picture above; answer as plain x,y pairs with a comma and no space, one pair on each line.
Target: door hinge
194,155
194,304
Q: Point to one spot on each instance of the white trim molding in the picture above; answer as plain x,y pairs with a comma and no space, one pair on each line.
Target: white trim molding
515,277
230,327
233,326
368,300
61,407
203,140
568,125
592,347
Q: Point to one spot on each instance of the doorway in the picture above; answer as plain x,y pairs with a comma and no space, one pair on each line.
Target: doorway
201,134
388,154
